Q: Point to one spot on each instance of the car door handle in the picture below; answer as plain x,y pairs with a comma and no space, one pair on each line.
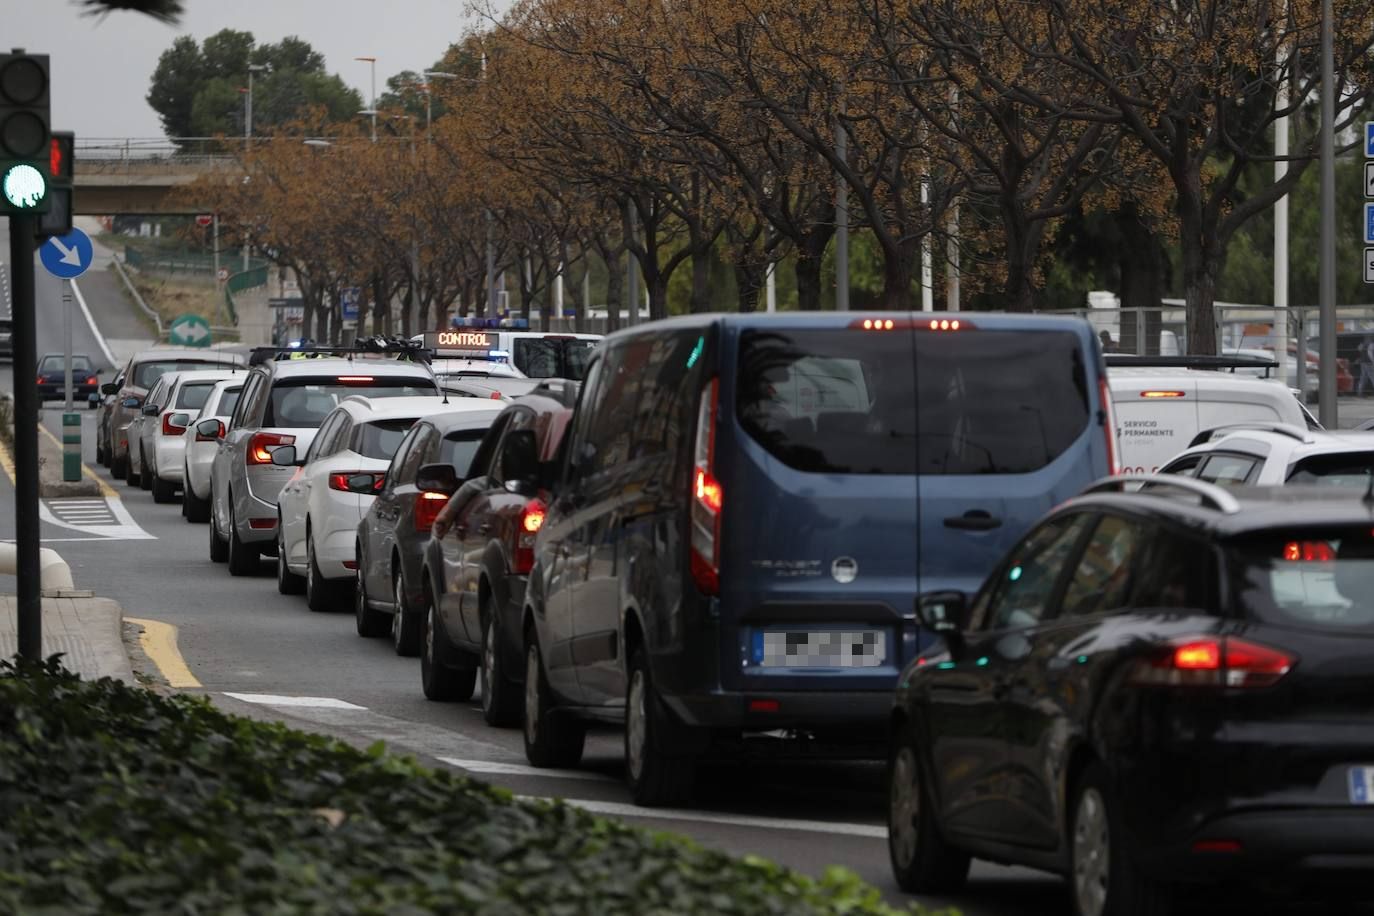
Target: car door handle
973,520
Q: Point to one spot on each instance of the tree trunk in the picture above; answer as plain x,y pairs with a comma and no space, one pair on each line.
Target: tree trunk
465,298
897,263
701,280
408,310
1142,266
614,287
1023,245
379,303
658,296
808,273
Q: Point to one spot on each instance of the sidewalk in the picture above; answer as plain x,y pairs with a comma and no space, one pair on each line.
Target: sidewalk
85,630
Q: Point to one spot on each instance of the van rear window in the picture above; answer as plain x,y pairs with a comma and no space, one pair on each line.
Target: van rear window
898,402
1318,579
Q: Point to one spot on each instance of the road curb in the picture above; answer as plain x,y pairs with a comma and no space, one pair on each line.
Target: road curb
50,482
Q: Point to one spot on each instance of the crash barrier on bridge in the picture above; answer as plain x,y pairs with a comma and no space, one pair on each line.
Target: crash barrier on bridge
252,278
171,261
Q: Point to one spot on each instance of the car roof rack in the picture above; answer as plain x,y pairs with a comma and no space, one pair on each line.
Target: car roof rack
1283,429
1124,360
366,346
1218,497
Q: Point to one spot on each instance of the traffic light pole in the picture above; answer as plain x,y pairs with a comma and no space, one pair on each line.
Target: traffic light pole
27,570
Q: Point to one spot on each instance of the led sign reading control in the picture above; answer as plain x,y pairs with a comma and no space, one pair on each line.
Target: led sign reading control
459,339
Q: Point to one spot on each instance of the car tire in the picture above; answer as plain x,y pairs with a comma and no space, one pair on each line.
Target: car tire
145,476
288,583
922,861
319,592
219,548
100,458
440,681
370,622
1104,878
130,475
406,631
500,695
164,491
657,776
193,507
243,560
552,738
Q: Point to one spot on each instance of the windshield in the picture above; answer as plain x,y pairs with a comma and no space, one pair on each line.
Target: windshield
303,403
458,448
193,395
381,438
228,400
553,357
80,364
147,374
1350,469
1320,579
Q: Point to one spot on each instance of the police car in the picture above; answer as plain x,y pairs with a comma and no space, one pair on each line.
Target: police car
495,346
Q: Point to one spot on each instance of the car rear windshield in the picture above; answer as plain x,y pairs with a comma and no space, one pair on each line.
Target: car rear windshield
228,400
193,395
381,438
902,402
1348,469
1321,579
303,403
59,364
458,448
147,374
553,357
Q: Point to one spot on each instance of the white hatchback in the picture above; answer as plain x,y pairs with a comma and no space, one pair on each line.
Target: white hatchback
162,437
202,442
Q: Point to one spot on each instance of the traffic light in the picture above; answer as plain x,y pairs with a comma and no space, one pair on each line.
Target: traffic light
24,133
61,162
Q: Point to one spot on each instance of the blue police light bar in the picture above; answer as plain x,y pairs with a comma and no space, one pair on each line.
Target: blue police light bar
509,324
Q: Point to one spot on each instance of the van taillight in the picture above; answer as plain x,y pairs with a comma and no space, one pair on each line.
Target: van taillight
531,520
707,496
1104,394
261,445
1212,661
428,505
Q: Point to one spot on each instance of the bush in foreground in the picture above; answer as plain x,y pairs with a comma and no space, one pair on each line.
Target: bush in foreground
116,799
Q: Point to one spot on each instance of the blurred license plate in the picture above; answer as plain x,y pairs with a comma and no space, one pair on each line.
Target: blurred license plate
1362,785
820,648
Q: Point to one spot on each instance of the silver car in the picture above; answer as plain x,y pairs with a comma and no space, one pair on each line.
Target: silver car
202,442
284,401
162,434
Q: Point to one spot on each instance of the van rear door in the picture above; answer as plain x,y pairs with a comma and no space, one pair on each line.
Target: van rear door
1156,418
1009,424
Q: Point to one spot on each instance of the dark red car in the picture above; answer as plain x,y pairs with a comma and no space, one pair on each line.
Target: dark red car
478,560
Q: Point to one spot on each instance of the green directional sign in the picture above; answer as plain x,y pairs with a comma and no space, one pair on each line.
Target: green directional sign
189,331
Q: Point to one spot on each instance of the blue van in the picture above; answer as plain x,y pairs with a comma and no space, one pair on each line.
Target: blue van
749,506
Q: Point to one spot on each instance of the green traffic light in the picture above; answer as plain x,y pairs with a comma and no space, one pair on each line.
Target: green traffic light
24,186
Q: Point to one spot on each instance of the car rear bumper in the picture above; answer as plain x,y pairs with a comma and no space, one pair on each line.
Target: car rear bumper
168,454
59,390
1271,843
250,510
863,713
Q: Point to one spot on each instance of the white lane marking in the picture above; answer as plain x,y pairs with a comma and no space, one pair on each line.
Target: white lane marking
116,524
620,809
495,768
268,699
56,540
99,337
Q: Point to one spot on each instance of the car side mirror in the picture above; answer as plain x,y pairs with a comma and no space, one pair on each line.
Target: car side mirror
109,388
131,403
437,478
284,456
151,410
943,614
209,429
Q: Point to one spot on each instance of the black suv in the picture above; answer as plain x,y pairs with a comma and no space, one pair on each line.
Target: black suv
1154,688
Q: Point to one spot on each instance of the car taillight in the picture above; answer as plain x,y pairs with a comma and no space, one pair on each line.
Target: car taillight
428,505
1213,661
1104,394
169,428
531,520
92,380
261,445
707,497
215,438
1309,552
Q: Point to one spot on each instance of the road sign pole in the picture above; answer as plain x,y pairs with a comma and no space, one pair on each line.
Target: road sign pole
67,338
1326,295
71,421
28,573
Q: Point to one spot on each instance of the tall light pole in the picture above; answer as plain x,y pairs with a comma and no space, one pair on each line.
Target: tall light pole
248,113
372,110
430,75
1326,398
491,244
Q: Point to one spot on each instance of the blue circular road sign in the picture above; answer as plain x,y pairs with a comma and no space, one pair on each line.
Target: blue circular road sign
67,256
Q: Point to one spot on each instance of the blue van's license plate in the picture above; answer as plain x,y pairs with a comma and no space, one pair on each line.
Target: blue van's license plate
1362,785
820,648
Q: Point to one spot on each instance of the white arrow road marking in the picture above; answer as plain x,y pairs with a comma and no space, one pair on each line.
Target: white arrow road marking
120,525
69,255
496,768
269,699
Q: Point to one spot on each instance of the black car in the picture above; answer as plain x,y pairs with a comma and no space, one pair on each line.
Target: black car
1153,689
52,378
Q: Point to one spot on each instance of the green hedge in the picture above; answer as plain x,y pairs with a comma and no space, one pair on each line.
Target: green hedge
115,799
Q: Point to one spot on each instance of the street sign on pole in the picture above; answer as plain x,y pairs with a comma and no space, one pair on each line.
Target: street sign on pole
189,331
67,256
204,220
1369,223
222,274
349,297
1369,265
1369,179
1369,139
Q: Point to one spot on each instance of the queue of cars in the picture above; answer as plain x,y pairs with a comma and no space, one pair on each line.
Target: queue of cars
737,526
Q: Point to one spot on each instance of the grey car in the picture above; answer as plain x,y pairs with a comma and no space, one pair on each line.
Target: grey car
393,534
284,401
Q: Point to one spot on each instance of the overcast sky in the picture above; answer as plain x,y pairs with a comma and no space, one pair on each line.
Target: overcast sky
101,67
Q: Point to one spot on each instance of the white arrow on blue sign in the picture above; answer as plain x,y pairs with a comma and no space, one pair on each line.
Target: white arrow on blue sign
1369,223
1369,139
67,256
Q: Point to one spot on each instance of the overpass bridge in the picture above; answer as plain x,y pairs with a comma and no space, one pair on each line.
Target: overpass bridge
138,176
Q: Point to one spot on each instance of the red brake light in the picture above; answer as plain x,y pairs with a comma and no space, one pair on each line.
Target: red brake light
1163,394
496,395
92,380
169,428
1309,552
1198,656
354,379
428,505
708,497
708,490
531,520
261,445
1213,661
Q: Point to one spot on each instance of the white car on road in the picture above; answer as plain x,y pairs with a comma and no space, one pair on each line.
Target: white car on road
161,445
202,442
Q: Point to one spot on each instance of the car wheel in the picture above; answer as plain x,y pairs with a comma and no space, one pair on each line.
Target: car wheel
193,507
288,583
145,476
243,560
219,550
406,631
100,458
164,491
1105,879
922,862
129,474
319,591
118,469
369,622
657,777
439,680
552,739
500,698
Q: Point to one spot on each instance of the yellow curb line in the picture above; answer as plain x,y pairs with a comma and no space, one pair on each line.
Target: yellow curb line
7,463
159,642
105,488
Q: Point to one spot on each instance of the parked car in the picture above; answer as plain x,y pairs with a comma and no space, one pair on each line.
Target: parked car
162,435
1152,690
52,377
284,401
202,442
337,479
751,504
138,376
480,556
134,468
1276,454
492,387
107,396
390,592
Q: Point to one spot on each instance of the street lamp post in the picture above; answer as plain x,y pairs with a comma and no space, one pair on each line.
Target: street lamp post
248,114
429,95
373,110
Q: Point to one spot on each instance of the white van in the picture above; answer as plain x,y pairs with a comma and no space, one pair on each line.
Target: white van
1159,410
532,354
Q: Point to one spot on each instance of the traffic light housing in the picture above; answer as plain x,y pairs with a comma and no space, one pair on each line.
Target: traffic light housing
25,134
61,162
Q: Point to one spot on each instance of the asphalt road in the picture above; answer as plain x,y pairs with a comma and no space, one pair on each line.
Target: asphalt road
238,636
